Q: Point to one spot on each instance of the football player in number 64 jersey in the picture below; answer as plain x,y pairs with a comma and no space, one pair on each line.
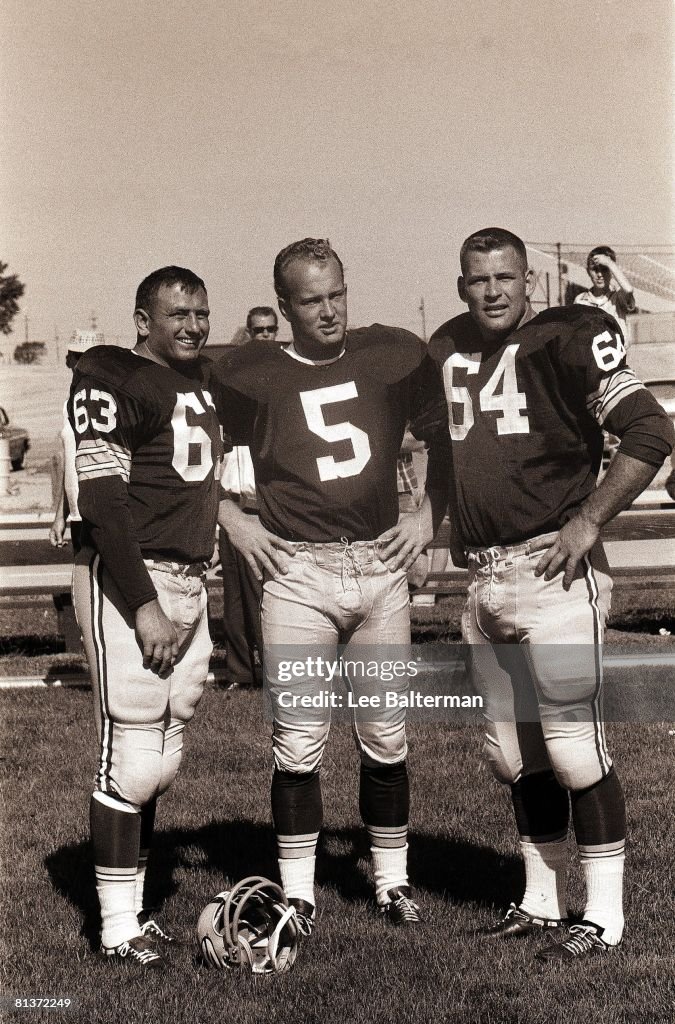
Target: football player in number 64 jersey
148,460
527,398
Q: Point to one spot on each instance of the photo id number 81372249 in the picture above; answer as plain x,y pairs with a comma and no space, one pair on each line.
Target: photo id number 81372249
36,1002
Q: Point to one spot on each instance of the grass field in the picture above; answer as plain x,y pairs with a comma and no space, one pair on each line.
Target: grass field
214,827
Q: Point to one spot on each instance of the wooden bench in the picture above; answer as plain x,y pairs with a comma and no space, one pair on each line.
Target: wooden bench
640,546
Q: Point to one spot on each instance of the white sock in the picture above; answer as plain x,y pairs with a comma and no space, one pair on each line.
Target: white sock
390,870
604,891
545,879
140,879
297,877
116,888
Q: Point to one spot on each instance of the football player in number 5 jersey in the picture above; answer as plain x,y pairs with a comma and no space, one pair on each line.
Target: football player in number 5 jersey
527,398
148,459
328,418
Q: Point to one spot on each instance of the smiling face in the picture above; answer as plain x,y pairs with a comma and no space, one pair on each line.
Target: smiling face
496,286
175,329
315,305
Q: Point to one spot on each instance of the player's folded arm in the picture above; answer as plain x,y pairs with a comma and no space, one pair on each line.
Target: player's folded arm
647,437
644,427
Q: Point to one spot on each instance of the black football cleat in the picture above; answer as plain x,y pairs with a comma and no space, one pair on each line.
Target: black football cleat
139,952
151,930
305,915
517,922
401,910
585,939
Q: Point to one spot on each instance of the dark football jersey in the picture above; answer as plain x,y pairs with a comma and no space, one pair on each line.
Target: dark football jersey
526,417
155,429
325,438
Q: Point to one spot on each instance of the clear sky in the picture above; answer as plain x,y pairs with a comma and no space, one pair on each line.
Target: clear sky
138,133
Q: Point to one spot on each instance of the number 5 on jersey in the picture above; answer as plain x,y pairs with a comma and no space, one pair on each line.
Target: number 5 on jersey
312,402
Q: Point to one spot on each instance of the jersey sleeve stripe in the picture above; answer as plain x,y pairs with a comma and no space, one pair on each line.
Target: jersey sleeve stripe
611,391
102,458
98,471
104,445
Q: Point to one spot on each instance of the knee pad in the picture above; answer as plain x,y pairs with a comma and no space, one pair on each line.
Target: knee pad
298,748
381,743
131,762
577,752
504,769
513,749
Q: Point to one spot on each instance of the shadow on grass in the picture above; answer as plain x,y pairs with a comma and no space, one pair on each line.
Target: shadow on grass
464,872
452,868
31,645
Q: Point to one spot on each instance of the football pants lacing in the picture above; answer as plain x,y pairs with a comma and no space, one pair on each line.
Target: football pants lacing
351,568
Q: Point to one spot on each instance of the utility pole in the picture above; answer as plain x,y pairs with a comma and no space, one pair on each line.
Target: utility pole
424,320
560,274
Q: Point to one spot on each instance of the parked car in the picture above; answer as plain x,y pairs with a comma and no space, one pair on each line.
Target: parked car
19,442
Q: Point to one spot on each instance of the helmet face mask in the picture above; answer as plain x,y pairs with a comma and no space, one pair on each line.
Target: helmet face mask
250,925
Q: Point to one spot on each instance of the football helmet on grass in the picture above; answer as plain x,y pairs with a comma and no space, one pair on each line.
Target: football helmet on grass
250,925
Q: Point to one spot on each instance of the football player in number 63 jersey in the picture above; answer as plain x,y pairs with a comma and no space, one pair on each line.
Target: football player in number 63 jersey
527,398
148,462
327,419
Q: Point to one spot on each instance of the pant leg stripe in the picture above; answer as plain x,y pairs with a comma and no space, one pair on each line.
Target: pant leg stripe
599,728
95,582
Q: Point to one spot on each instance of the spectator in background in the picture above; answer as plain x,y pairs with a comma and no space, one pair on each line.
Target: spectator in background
242,592
611,290
65,491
